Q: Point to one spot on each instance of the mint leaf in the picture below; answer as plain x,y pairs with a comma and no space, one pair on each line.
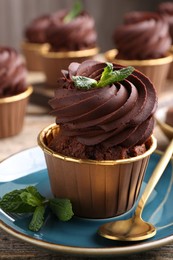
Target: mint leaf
37,219
74,12
33,190
110,76
12,202
62,208
30,199
84,82
106,72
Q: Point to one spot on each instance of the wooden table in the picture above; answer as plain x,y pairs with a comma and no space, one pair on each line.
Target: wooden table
36,119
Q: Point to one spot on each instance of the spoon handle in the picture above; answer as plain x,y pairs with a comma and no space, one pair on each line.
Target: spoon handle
156,175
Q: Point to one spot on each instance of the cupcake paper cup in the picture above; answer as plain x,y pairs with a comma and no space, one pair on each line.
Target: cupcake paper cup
54,62
170,73
97,189
155,69
12,113
31,53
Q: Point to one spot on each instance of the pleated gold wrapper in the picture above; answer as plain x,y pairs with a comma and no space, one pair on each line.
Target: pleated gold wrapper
54,62
12,113
170,73
155,69
31,52
97,189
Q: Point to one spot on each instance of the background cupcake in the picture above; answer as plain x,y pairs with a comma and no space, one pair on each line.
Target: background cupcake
14,92
98,152
143,41
166,10
72,37
35,41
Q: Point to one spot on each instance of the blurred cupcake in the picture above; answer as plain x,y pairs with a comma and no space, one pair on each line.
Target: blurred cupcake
72,37
35,41
166,10
98,150
14,92
143,41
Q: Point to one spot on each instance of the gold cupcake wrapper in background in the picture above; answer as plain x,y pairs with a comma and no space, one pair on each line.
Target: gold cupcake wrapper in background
12,113
155,69
31,53
97,189
54,62
170,73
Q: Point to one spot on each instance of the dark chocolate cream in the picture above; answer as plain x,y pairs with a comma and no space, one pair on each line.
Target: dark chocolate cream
12,72
117,114
36,30
166,10
143,35
77,34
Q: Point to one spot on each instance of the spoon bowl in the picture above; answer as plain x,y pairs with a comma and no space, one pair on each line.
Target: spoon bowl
135,228
132,229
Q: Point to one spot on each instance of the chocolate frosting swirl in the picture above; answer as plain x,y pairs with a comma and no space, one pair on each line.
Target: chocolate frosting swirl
144,35
117,114
12,72
36,30
77,34
166,10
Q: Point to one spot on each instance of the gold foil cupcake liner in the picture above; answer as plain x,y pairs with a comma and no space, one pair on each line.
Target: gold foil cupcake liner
170,73
54,62
97,189
12,113
155,69
31,53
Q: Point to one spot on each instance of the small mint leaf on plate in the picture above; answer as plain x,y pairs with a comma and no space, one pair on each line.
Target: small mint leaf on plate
12,202
37,219
30,199
62,208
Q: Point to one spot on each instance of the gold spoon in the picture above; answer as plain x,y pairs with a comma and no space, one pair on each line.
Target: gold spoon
136,228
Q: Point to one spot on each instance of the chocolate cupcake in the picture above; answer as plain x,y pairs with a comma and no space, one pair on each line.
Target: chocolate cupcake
14,92
35,41
166,10
97,152
71,38
143,41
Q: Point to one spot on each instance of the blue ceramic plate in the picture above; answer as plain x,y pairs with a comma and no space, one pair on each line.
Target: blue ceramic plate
79,236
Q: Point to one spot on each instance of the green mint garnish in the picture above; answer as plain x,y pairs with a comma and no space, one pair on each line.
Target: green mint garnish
37,219
29,200
84,82
74,12
108,77
62,208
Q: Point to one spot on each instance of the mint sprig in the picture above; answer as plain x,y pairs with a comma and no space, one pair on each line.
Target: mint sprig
74,12
108,77
29,200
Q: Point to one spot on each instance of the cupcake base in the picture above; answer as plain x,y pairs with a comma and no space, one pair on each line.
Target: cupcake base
97,189
155,69
54,62
12,113
31,53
